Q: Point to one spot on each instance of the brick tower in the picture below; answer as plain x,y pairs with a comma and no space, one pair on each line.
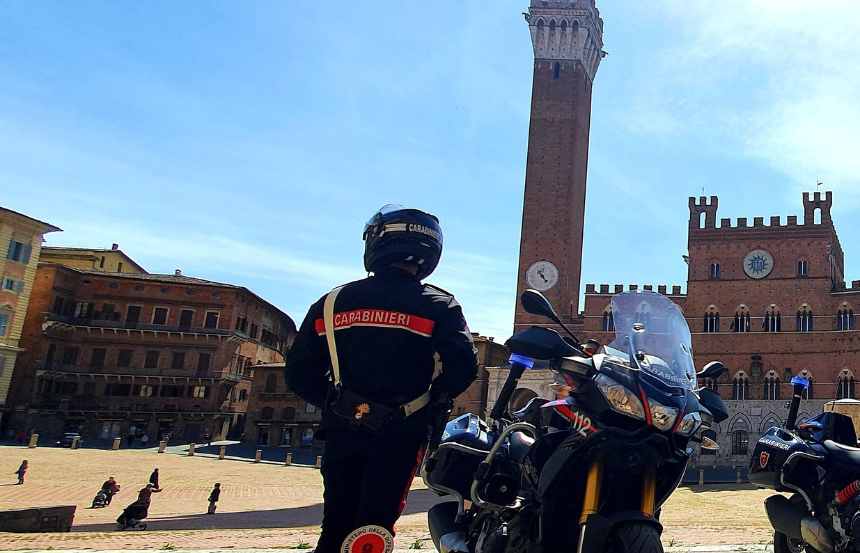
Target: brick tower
567,37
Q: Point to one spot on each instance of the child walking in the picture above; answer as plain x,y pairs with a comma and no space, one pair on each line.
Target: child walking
213,498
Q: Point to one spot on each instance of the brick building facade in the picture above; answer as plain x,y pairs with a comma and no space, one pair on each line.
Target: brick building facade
277,416
166,354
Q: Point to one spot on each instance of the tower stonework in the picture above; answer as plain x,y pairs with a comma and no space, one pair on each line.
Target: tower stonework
567,37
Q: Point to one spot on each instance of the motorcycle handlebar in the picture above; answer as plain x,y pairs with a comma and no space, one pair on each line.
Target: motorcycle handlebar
799,384
517,370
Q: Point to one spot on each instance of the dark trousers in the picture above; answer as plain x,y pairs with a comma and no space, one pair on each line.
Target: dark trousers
366,479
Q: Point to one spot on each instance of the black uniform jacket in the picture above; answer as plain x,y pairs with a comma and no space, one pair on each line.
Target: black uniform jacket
387,328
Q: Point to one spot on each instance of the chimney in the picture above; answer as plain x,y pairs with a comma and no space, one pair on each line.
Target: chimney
114,247
178,272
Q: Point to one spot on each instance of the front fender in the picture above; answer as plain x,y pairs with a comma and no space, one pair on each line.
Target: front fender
597,528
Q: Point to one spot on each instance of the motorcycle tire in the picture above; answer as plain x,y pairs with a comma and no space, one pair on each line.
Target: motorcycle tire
634,537
784,544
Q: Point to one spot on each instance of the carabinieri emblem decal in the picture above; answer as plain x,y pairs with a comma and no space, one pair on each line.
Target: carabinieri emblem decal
361,410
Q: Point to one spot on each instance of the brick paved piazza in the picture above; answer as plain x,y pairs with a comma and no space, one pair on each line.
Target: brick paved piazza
267,505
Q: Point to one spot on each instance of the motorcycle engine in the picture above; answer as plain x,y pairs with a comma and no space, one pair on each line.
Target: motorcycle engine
851,518
854,518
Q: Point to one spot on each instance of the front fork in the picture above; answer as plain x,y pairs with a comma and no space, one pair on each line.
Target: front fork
591,501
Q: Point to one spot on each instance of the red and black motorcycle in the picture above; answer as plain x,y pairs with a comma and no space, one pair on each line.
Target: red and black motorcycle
587,471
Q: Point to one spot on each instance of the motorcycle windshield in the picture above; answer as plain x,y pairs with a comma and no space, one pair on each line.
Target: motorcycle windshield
660,331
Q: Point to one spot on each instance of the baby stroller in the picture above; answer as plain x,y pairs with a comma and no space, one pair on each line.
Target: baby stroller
100,500
133,514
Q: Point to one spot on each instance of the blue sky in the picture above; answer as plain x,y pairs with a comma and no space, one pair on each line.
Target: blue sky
248,142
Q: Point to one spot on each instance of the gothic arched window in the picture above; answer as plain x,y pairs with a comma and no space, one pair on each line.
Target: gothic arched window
712,321
845,317
608,322
741,386
740,437
742,319
715,271
845,385
556,71
802,267
267,414
772,320
771,386
804,319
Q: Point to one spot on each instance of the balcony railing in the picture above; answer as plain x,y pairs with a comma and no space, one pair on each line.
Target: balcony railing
140,372
100,323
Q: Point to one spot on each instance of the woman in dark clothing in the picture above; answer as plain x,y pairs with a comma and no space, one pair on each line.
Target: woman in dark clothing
145,494
213,499
21,470
153,479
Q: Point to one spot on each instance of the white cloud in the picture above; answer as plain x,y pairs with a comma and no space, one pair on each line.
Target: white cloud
775,81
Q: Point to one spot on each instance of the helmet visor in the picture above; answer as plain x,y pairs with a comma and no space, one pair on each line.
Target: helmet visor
381,213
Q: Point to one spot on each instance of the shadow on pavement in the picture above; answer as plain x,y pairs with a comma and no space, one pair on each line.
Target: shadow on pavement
419,501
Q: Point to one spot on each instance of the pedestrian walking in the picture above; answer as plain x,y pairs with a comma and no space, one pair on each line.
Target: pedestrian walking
20,436
153,479
213,498
21,470
144,440
378,337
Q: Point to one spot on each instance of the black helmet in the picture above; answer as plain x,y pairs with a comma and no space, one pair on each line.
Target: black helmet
397,233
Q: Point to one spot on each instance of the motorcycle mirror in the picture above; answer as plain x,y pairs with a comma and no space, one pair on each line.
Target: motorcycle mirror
712,370
709,444
535,303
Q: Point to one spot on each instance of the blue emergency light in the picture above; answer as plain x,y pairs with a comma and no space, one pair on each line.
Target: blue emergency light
526,362
800,380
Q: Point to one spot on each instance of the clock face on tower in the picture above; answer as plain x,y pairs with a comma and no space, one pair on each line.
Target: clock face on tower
542,275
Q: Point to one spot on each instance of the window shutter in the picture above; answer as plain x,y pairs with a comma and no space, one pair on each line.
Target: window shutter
19,286
11,252
25,256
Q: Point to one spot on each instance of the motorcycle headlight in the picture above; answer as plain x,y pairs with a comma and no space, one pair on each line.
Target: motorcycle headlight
689,424
619,397
661,416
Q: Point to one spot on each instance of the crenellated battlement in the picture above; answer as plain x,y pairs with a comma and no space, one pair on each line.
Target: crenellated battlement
816,203
703,214
619,288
